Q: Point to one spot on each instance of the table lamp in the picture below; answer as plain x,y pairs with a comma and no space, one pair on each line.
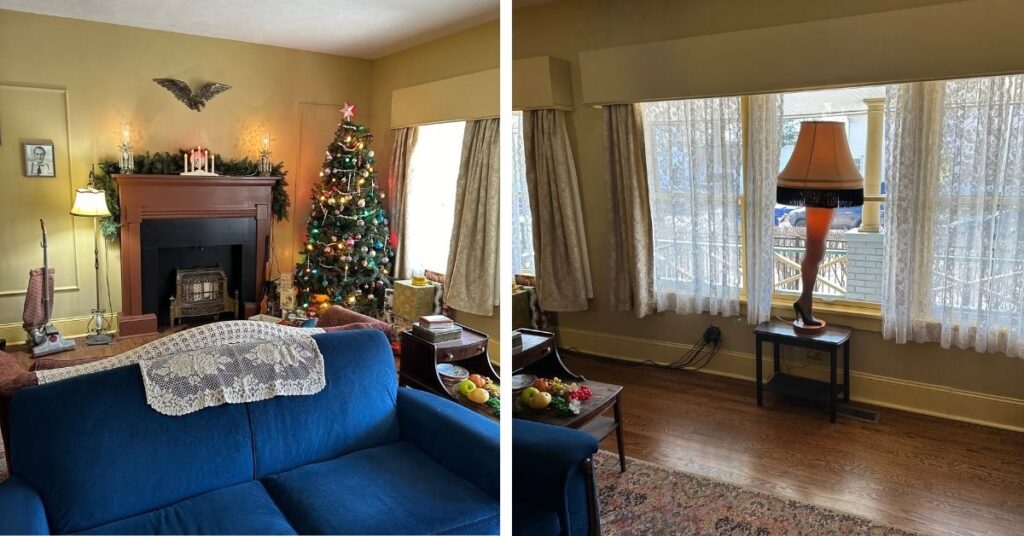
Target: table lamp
820,175
92,203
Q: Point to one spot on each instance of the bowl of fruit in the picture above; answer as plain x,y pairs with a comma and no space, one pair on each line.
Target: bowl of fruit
477,389
554,395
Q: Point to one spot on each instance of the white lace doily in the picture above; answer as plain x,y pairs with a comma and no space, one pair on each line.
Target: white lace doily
182,383
230,332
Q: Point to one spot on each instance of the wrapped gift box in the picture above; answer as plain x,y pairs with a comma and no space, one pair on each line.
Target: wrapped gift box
412,302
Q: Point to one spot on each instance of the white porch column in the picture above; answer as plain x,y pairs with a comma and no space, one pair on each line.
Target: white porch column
870,220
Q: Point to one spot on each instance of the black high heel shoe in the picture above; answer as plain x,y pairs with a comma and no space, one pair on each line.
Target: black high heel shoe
808,321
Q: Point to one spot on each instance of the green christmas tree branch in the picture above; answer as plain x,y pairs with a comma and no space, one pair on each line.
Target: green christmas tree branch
165,163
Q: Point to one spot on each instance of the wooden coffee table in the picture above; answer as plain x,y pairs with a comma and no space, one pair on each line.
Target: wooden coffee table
539,356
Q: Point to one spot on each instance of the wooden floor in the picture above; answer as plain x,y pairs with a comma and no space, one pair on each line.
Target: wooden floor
916,472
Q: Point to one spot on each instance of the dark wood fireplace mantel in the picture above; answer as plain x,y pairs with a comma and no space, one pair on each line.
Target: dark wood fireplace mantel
173,197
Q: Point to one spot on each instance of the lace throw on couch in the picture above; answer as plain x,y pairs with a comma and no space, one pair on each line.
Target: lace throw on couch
182,383
224,362
231,332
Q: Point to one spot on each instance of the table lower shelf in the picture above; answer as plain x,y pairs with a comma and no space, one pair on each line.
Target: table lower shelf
799,387
599,427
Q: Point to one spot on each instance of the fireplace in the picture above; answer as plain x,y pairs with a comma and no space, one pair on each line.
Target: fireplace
170,222
171,246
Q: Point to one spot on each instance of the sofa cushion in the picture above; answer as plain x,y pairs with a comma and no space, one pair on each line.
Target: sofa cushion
96,452
530,521
392,489
242,509
355,410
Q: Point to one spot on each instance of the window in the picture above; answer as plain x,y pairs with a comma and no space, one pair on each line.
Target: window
522,219
836,280
695,179
695,174
977,209
430,201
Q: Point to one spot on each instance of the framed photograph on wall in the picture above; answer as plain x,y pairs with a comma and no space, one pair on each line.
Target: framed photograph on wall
38,157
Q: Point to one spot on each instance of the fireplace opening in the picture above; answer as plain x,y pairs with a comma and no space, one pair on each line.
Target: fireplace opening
172,247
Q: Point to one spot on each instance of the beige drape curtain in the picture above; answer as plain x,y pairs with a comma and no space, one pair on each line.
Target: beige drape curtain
398,182
631,255
472,275
559,239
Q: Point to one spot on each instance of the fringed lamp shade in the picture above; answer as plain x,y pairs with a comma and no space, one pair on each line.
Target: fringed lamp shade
821,172
90,202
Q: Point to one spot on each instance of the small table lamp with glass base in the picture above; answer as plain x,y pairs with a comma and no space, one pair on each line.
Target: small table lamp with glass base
822,176
92,203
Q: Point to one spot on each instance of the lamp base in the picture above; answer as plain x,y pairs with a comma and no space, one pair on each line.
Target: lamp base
798,324
98,339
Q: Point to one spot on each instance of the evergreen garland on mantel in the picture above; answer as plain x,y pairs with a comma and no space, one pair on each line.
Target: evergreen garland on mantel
168,164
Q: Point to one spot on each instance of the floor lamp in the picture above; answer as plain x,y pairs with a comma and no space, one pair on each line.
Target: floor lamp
92,203
822,176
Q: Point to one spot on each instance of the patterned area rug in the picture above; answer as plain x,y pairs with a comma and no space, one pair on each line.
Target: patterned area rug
650,499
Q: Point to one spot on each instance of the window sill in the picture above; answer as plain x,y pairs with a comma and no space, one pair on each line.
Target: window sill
861,316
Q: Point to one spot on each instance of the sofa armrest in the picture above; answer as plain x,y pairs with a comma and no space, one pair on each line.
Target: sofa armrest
460,439
21,508
551,471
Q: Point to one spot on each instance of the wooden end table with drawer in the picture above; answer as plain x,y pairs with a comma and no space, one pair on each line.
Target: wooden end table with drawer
539,356
418,364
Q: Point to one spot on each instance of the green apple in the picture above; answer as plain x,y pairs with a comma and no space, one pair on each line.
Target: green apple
527,394
465,386
541,400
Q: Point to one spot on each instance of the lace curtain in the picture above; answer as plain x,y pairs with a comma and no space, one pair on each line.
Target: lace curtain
522,219
765,146
954,247
695,178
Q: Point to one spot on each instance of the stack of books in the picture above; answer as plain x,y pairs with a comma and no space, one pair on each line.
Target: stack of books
437,328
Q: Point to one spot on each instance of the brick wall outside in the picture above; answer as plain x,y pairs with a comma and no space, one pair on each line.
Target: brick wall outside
863,266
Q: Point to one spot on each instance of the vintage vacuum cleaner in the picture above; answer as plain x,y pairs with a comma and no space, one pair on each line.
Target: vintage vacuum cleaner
42,335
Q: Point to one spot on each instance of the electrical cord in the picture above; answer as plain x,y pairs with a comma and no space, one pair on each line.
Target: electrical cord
692,360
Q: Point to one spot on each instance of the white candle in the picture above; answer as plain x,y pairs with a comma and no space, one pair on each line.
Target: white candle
213,163
206,160
185,156
126,133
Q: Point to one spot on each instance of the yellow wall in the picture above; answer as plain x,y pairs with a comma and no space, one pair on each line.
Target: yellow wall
565,29
466,52
106,71
75,81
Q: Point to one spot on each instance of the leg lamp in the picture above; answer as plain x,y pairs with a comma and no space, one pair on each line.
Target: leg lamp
821,176
90,202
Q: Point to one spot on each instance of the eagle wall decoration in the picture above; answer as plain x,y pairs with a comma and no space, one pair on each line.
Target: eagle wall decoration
194,100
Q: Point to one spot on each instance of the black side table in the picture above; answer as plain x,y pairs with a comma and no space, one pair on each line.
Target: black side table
829,340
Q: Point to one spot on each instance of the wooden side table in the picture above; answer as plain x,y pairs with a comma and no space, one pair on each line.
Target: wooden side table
418,365
539,356
828,340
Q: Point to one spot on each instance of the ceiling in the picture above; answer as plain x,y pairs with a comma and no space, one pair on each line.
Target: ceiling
365,29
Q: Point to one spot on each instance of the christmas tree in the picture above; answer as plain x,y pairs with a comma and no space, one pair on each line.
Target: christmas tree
346,257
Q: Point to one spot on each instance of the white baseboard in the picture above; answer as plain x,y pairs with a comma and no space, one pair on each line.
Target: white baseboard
907,395
74,326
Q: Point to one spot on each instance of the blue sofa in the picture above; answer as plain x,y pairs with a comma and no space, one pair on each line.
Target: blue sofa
553,489
88,455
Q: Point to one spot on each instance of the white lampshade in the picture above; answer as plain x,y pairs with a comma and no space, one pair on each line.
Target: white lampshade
90,202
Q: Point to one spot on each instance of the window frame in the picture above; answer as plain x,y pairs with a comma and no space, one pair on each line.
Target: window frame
858,314
409,200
